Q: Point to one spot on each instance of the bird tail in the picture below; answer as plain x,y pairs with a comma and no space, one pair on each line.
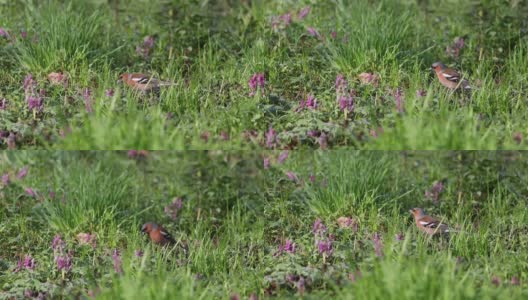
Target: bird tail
166,83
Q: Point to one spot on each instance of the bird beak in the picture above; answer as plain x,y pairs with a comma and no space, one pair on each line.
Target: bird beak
119,81
411,211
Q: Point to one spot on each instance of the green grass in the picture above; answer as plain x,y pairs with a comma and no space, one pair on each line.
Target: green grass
210,49
235,214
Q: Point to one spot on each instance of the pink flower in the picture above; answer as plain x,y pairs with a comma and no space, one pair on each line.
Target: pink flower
4,33
312,32
5,179
87,239
325,247
256,81
64,262
435,191
31,192
145,49
421,93
3,104
172,209
282,157
109,93
23,172
495,280
398,97
323,141
318,227
292,176
286,19
266,163
87,100
346,103
57,244
117,262
333,34
378,247
138,253
518,137
271,138
304,12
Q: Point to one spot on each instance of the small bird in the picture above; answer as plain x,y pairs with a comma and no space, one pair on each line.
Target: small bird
428,224
157,234
143,82
449,78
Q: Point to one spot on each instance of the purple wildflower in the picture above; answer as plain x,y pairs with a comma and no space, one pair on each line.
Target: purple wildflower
378,247
286,19
64,262
289,246
282,157
145,49
29,263
257,80
28,82
323,141
172,209
11,141
87,239
117,262
31,192
35,103
304,12
138,253
325,247
224,136
51,194
292,176
312,178
5,179
3,104
354,276
4,33
495,280
23,172
398,97
421,93
87,100
109,93
341,83
266,163
399,236
346,103
434,193
301,286
310,102
57,244
318,227
312,31
333,34
271,138
23,34
518,137
313,133
515,280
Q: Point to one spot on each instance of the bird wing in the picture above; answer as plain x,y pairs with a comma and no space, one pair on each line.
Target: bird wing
166,235
451,75
430,222
141,78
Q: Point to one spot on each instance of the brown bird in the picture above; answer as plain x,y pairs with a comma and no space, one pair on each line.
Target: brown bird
428,224
143,82
449,78
157,234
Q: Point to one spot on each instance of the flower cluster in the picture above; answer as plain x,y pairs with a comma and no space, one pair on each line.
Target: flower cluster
257,80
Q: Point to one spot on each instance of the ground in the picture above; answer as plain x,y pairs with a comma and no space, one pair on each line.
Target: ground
59,65
311,223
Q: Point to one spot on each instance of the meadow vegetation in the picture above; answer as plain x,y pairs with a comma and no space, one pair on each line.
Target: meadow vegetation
251,225
262,74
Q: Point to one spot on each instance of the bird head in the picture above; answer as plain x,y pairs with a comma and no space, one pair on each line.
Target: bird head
417,212
122,78
148,227
438,66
